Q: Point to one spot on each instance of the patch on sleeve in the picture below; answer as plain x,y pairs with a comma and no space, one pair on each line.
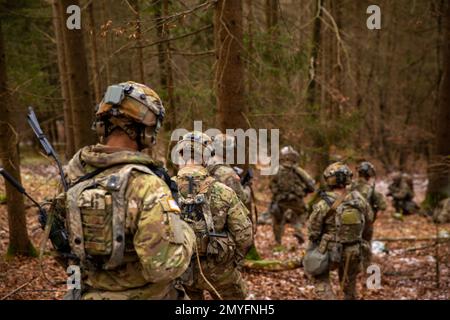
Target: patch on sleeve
169,204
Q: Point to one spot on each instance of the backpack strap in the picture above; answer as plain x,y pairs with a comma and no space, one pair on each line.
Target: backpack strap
116,184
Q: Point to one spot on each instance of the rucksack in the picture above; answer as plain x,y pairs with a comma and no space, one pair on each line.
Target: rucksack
196,211
95,217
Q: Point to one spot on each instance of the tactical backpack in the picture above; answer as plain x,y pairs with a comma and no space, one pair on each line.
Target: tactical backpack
196,211
96,211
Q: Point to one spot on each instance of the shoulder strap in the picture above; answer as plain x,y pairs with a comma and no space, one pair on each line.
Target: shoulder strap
116,184
160,172
332,204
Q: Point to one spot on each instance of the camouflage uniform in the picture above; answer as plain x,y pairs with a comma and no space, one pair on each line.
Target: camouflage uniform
219,257
339,232
402,192
375,199
441,213
225,174
289,188
124,226
158,244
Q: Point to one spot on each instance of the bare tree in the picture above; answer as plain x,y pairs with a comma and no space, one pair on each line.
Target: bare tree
77,67
229,73
439,170
19,242
64,82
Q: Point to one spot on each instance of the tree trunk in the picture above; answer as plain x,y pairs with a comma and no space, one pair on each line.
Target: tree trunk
319,138
229,73
165,61
19,243
62,66
80,98
311,90
94,53
439,169
138,34
105,42
271,15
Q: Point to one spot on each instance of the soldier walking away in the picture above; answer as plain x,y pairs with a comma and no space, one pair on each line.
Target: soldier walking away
365,184
335,230
124,225
220,221
402,192
289,187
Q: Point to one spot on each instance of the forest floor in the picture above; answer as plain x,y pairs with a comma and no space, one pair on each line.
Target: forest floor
408,269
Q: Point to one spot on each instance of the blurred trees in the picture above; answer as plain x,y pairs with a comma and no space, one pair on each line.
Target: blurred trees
439,169
19,243
310,68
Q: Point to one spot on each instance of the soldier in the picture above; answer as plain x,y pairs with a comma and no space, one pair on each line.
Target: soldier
219,219
365,186
224,172
335,230
441,213
289,186
124,225
402,192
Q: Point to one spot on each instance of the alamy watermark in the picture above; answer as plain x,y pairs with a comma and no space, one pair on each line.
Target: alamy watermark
261,151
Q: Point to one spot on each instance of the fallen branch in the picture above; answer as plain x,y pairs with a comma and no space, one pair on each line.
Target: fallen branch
19,288
273,265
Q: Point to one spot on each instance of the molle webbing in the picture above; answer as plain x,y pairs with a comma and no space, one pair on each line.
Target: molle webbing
116,185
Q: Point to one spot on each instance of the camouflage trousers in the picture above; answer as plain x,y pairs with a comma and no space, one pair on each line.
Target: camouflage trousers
348,269
291,211
226,280
154,291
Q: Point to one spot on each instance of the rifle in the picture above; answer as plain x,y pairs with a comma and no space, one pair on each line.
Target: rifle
49,151
58,234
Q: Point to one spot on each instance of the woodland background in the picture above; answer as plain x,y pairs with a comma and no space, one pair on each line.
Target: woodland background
309,68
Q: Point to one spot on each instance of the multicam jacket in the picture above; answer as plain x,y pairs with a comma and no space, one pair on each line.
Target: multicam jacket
225,174
290,181
229,214
401,190
348,222
373,197
158,244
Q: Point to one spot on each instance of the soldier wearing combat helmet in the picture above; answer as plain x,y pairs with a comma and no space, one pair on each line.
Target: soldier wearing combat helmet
219,219
335,230
224,172
289,186
123,222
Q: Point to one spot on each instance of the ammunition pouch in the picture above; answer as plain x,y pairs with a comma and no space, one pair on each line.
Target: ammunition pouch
221,249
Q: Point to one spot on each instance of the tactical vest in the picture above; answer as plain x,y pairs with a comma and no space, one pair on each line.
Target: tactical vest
288,182
349,221
96,215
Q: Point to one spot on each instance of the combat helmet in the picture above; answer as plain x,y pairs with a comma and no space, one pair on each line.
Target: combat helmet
194,145
289,154
366,169
337,175
133,107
